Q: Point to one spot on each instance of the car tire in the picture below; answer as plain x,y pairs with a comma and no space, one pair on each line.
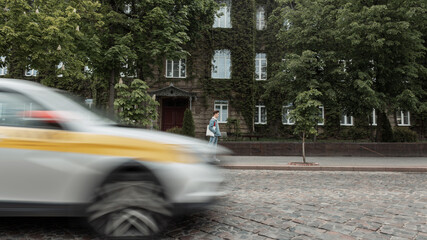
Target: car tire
129,205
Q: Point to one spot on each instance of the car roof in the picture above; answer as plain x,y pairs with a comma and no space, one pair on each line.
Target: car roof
19,85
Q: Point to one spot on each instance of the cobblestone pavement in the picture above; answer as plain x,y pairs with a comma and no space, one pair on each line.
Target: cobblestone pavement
284,205
314,205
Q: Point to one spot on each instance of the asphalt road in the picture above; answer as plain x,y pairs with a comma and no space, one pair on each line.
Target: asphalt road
265,204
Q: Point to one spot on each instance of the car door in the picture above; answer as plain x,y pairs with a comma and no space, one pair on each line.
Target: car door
29,170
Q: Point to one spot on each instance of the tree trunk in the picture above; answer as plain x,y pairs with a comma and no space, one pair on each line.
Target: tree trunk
303,146
384,130
111,93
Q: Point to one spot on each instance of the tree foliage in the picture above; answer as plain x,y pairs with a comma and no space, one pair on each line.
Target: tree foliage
368,54
45,34
135,106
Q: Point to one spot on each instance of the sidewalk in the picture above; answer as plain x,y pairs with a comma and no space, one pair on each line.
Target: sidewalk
378,164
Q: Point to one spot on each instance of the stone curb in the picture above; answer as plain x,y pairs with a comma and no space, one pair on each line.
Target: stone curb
329,168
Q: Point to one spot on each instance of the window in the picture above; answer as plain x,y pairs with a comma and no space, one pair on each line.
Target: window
260,18
321,116
261,66
222,107
403,118
373,118
286,120
60,68
127,8
17,110
346,120
176,68
287,24
87,70
260,114
221,64
222,18
31,73
3,70
128,71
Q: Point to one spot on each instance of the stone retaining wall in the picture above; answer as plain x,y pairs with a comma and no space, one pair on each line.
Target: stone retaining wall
328,149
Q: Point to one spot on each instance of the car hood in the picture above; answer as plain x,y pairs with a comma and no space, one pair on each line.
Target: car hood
186,143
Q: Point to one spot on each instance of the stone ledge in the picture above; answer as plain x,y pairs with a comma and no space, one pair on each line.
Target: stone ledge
328,149
320,168
303,163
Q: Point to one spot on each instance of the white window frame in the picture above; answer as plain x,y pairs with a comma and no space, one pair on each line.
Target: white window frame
3,70
286,109
127,8
373,121
87,70
173,63
224,20
287,24
260,18
60,66
402,118
222,71
322,112
31,73
259,122
259,59
221,104
346,117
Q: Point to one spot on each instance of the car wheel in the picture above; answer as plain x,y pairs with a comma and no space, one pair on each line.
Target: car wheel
129,205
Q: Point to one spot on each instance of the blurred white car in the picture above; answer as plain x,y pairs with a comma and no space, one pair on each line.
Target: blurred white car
59,159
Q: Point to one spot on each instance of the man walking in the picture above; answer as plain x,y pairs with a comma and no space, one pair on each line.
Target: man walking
214,127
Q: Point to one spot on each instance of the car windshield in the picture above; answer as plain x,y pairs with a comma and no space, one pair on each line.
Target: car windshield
69,107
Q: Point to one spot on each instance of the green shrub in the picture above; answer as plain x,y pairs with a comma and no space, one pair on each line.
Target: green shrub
404,135
176,130
188,127
233,126
356,133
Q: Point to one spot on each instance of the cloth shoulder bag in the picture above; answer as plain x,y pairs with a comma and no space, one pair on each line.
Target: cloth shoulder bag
209,133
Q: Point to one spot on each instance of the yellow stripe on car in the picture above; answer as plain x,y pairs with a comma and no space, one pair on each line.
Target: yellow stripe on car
88,143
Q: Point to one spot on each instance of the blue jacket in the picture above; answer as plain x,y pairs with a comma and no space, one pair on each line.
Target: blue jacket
214,122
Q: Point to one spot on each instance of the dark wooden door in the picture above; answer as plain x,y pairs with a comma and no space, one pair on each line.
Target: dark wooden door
173,112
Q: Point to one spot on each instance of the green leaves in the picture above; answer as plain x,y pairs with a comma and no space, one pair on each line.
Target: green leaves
359,55
306,112
135,106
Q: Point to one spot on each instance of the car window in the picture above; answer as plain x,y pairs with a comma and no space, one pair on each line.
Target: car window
17,110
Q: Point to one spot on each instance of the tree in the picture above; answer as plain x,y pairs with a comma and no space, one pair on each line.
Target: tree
310,55
138,35
370,54
188,127
306,115
49,36
384,41
135,106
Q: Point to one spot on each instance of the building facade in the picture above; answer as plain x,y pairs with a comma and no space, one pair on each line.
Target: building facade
227,70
